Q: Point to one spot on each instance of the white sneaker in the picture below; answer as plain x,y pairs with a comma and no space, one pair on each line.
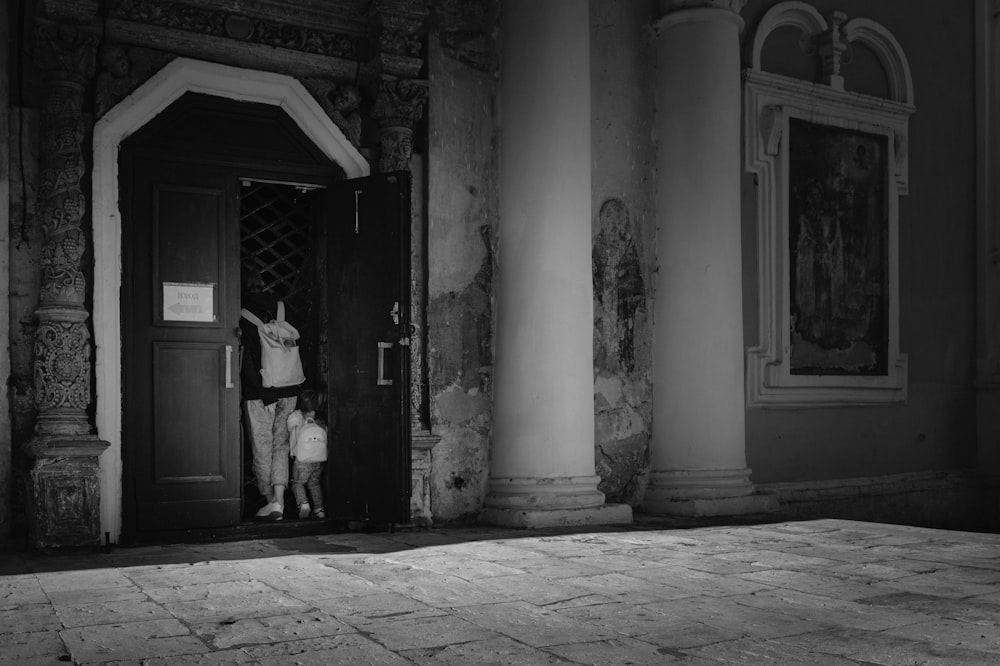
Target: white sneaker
271,511
304,510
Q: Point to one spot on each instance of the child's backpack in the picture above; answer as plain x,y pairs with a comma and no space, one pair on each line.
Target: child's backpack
311,444
280,363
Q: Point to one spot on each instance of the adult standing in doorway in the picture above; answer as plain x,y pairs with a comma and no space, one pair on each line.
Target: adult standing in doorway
265,409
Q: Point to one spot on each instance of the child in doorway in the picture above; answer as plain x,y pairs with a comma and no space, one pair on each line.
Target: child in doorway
307,441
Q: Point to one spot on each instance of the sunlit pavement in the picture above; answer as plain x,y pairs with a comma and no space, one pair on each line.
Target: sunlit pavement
817,592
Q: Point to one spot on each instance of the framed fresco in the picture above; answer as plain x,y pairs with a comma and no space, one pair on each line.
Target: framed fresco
830,166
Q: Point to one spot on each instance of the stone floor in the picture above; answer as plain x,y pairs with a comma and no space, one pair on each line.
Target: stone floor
820,593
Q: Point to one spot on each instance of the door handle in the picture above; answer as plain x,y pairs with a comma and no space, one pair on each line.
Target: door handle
380,378
229,366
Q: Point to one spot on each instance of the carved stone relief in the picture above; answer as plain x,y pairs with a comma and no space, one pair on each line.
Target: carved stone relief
219,23
122,70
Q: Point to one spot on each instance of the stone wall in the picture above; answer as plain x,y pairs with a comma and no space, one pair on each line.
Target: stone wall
461,231
622,82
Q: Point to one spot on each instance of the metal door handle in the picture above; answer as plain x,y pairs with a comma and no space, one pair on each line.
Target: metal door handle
229,366
380,378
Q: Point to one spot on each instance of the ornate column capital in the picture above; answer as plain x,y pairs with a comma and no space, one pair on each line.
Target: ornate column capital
676,12
398,107
400,103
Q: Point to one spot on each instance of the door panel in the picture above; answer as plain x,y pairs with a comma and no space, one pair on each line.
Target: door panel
182,407
368,232
180,307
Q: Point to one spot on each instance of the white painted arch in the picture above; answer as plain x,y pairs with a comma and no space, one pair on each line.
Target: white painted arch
128,116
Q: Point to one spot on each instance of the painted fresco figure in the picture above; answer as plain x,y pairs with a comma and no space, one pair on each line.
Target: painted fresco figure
265,410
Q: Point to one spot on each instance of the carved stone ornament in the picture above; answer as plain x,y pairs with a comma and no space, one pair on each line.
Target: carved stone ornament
341,102
62,371
122,70
66,57
64,490
400,103
219,23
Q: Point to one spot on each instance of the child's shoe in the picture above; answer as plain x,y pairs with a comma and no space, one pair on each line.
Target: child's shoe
304,510
319,513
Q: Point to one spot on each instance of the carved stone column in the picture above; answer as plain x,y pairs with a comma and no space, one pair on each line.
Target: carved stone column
398,108
65,501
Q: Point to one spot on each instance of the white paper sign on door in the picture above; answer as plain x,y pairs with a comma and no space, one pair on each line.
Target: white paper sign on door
188,301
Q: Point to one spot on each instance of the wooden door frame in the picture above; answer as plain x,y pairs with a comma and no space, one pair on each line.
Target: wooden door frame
180,76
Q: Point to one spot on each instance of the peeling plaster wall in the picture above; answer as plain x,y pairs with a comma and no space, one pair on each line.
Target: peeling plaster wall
462,215
622,121
935,428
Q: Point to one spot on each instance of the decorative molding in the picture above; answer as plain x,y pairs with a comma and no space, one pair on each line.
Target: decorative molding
770,100
229,25
832,37
799,15
889,53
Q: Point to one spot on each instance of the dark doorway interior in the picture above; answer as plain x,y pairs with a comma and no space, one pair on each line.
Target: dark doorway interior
282,240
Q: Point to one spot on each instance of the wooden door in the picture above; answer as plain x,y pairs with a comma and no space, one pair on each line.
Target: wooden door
368,232
180,302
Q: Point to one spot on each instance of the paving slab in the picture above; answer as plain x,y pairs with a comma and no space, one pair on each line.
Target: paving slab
823,592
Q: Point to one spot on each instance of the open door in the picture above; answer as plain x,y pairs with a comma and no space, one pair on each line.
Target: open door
368,265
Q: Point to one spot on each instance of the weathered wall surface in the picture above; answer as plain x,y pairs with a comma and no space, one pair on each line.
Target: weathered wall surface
623,186
6,14
462,218
935,428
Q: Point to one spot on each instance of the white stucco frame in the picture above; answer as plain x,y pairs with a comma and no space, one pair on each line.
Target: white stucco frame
178,77
769,101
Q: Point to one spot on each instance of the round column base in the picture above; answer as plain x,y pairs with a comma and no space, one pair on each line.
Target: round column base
550,502
705,492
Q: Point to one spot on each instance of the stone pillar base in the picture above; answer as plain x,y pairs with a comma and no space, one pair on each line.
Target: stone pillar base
606,514
421,462
550,502
705,492
65,500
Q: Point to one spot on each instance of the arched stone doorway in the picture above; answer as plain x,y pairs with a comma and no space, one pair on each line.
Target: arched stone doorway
178,77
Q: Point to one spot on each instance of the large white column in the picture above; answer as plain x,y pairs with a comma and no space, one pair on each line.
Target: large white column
542,462
698,452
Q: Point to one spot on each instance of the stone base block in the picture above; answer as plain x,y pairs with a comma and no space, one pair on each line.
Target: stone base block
719,506
605,514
